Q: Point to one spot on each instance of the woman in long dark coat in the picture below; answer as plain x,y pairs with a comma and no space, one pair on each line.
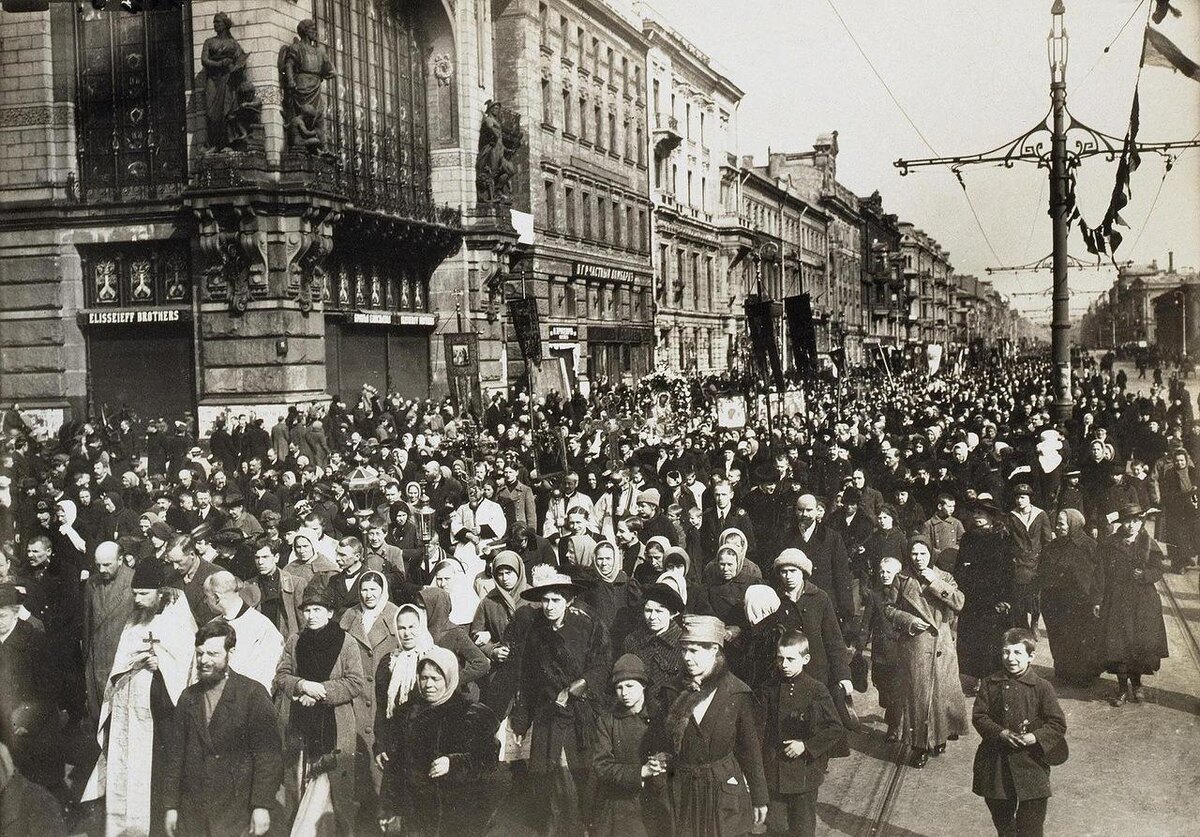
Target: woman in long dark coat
1135,637
610,593
1070,577
984,574
494,630
926,601
717,783
437,776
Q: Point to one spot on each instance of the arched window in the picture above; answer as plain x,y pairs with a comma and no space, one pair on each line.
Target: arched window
130,72
378,112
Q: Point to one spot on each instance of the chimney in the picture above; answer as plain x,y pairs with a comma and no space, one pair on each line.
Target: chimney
1170,261
747,161
774,164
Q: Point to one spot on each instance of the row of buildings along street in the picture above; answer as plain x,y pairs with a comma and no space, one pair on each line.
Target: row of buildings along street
360,199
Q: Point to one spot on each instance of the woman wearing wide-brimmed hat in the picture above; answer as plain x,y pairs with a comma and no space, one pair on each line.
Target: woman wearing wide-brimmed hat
564,667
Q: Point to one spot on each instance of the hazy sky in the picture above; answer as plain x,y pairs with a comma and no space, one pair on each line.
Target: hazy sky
972,74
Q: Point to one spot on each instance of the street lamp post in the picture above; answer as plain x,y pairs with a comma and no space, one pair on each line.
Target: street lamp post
1070,142
1057,45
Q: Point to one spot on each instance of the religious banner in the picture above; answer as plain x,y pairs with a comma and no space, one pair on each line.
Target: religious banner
462,370
731,412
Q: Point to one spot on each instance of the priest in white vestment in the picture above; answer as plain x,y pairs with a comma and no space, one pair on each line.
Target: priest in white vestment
152,666
259,643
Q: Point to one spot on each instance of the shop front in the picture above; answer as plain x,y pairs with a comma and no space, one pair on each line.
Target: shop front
139,330
387,349
618,353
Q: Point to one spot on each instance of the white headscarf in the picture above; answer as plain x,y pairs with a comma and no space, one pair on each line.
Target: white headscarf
404,663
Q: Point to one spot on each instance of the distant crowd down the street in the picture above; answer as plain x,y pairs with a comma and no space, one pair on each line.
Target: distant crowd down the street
649,610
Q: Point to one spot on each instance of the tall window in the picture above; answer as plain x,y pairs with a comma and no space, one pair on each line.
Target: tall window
612,133
131,121
564,34
630,229
583,117
601,218
547,103
566,106
543,23
611,69
616,222
641,146
569,204
596,57
598,121
579,47
378,117
586,202
643,232
551,205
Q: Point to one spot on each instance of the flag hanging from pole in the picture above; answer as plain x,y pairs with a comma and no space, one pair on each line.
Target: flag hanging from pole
1167,29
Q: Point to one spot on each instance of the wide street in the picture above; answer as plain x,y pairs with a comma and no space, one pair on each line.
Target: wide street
1132,771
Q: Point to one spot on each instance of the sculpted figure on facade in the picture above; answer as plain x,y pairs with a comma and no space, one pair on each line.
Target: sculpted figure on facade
499,141
304,67
231,105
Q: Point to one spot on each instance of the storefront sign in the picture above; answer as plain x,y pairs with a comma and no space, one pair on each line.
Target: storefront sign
405,318
149,316
564,333
620,334
584,270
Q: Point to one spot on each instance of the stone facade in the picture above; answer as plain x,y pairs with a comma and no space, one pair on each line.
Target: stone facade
928,291
693,109
123,239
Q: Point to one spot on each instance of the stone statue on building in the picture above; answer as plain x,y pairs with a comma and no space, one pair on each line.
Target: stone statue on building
231,105
499,141
304,66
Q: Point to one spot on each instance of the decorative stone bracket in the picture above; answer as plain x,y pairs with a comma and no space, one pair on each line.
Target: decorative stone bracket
307,251
235,254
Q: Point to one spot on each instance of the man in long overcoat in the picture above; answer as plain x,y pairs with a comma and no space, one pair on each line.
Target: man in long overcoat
107,606
225,762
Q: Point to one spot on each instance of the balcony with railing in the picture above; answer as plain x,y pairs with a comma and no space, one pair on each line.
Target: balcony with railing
666,134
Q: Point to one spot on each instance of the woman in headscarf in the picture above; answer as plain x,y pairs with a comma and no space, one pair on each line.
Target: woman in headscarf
319,676
649,565
372,625
1071,580
576,551
751,656
437,776
498,627
473,664
877,630
305,561
724,596
610,594
737,539
656,641
927,599
887,541
396,677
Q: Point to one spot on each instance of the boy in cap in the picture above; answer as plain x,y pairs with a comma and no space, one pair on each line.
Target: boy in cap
1024,734
802,731
630,799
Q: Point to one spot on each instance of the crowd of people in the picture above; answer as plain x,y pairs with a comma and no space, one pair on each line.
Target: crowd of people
610,616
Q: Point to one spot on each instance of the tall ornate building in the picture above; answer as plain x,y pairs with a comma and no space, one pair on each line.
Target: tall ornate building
575,72
928,291
883,281
201,212
693,113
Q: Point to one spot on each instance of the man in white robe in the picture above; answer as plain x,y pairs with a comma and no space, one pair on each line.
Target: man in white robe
259,643
152,666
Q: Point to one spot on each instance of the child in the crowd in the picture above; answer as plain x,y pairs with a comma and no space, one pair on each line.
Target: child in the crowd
802,728
630,791
1024,734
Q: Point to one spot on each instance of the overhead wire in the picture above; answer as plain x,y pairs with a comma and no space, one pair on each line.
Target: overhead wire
896,101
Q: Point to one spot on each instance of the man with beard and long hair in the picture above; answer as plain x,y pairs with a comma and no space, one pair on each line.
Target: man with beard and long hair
151,667
223,767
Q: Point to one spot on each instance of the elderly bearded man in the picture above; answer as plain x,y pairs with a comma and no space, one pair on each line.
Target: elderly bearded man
152,666
225,759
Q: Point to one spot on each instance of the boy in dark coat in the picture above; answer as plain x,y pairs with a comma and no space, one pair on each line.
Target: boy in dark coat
802,730
630,795
1024,733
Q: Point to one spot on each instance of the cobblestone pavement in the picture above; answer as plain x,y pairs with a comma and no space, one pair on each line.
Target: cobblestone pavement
1133,771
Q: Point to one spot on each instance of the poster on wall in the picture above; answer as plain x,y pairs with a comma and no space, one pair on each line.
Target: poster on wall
462,370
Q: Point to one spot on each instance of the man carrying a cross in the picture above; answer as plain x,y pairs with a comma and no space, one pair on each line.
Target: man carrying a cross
152,665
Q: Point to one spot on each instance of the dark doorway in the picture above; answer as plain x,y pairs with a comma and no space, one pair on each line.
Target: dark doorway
146,369
388,361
